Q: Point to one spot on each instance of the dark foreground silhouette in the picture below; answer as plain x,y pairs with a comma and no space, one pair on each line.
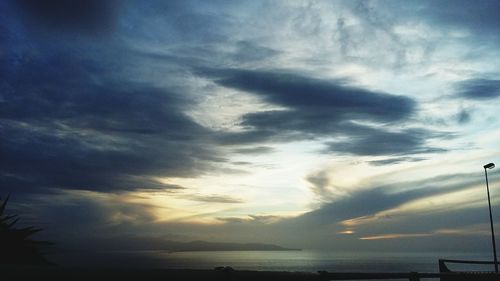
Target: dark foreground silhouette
222,273
16,247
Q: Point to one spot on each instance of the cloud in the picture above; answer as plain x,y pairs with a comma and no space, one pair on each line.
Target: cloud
112,114
86,211
316,229
374,142
81,15
313,108
478,18
463,117
331,100
74,122
470,230
97,138
254,150
361,203
193,25
369,201
320,185
395,160
479,89
251,220
246,51
369,205
395,236
321,228
213,198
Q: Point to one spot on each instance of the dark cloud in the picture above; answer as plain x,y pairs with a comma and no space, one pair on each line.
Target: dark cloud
320,185
242,163
68,130
362,203
479,89
167,186
332,100
318,108
312,105
478,17
254,150
429,221
64,91
88,214
75,120
463,117
375,142
177,21
60,158
247,51
81,15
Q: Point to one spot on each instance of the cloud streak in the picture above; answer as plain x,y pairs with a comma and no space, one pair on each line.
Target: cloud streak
479,89
314,108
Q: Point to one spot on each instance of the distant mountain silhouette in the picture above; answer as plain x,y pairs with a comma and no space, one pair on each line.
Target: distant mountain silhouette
141,243
211,246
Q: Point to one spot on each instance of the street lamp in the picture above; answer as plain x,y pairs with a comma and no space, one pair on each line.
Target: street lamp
491,166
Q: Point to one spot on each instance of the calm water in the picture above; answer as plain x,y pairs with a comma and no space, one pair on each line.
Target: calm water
310,261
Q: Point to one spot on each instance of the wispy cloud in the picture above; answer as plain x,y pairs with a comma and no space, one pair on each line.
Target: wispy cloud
475,230
479,89
394,236
213,198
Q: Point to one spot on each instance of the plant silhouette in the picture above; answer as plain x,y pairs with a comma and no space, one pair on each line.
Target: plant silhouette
16,247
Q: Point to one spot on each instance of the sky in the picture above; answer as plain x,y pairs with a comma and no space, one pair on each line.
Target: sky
342,125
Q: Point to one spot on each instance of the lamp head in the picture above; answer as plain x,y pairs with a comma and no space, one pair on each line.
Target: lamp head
489,166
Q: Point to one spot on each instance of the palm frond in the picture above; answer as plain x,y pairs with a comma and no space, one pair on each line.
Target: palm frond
4,203
15,243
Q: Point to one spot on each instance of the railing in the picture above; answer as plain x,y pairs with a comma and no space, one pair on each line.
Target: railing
444,268
413,276
471,275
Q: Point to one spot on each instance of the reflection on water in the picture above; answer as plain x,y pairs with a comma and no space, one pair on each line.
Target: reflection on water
310,261
302,261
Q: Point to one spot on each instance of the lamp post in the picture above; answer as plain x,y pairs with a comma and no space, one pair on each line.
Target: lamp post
491,166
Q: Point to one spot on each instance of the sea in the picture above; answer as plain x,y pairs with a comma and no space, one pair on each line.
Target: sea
295,261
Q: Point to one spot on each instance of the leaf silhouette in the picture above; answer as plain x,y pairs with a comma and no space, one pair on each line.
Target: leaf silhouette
15,243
